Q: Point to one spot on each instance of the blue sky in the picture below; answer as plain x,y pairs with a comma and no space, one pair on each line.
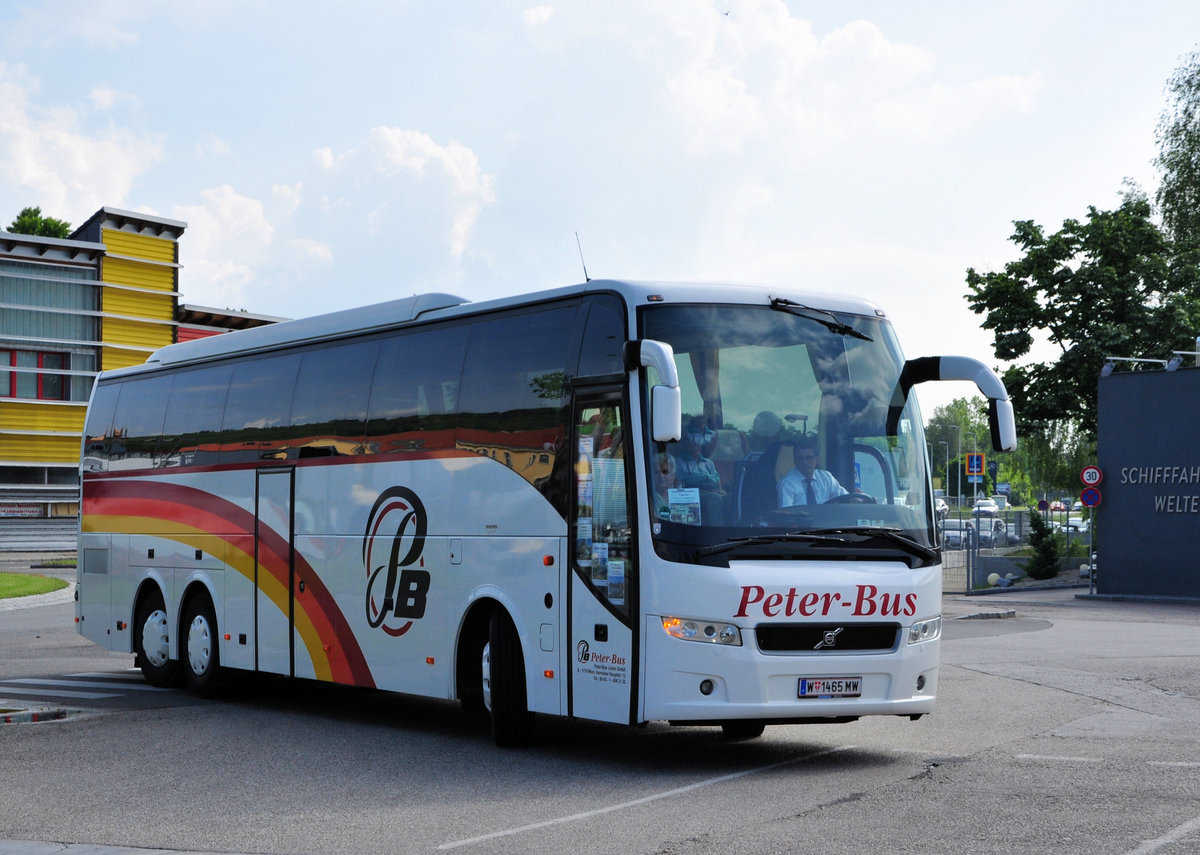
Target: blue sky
327,155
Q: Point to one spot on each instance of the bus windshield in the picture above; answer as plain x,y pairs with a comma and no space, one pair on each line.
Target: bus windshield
788,449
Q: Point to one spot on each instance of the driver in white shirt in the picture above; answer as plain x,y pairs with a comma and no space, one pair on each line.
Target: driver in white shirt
806,484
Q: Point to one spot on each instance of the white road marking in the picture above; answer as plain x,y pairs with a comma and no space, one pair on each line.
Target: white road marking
54,693
644,800
1175,834
86,684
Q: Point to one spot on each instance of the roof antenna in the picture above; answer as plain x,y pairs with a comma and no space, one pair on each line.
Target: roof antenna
586,278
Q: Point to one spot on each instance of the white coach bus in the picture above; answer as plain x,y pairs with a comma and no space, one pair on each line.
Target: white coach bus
567,503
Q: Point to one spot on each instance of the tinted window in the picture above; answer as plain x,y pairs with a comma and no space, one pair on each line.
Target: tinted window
514,391
414,398
192,431
98,431
330,403
258,409
604,337
138,422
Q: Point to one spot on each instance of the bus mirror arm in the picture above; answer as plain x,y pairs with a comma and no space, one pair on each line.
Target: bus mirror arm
666,407
1001,419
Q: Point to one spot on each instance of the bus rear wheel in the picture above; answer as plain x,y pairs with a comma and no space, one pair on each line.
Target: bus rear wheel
504,684
202,653
153,646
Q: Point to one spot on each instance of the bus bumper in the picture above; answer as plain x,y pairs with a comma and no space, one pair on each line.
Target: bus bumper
698,682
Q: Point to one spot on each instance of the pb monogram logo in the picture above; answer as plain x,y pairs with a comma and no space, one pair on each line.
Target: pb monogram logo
395,528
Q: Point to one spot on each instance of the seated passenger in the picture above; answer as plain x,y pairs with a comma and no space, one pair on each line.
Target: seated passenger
702,434
806,484
664,482
764,431
692,468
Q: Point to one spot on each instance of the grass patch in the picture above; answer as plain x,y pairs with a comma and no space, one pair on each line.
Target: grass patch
25,585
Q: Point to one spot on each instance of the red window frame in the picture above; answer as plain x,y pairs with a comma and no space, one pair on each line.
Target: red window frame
9,389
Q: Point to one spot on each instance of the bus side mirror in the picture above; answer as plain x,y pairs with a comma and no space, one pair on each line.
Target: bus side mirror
666,414
1001,420
666,402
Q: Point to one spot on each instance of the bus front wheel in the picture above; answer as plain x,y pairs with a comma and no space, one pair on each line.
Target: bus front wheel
153,646
504,684
202,654
742,729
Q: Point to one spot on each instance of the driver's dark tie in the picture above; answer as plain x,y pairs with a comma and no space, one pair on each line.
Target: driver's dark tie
810,495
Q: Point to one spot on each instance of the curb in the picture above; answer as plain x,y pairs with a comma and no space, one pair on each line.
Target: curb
11,716
1007,613
54,598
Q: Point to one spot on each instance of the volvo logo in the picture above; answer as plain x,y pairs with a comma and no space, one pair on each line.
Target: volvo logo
829,638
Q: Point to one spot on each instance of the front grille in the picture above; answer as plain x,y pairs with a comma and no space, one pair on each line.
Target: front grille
811,638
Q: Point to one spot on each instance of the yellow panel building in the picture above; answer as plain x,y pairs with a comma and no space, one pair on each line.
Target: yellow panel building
106,297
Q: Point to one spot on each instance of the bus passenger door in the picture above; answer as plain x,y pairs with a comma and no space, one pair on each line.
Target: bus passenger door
603,579
273,571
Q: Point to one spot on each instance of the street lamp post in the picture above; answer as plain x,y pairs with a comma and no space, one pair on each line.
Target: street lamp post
958,473
946,486
974,450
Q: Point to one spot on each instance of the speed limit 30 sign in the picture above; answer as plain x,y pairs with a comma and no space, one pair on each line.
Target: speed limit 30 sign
1091,476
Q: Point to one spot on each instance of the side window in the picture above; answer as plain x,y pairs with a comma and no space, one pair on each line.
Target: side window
97,433
603,338
258,408
514,394
138,422
414,395
329,409
192,431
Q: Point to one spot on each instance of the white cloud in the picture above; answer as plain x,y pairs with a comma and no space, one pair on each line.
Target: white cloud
288,195
229,242
762,79
213,146
537,15
50,157
403,172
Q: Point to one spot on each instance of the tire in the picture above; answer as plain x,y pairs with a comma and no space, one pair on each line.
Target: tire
153,643
512,723
742,729
201,648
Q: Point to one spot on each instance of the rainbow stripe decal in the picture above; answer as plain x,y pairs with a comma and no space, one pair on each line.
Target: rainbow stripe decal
200,520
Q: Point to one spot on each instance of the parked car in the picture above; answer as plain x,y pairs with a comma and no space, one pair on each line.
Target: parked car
1073,525
987,506
993,533
956,534
942,509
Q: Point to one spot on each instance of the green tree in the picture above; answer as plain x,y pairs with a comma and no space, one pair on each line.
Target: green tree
954,424
31,222
1047,548
1178,161
1109,285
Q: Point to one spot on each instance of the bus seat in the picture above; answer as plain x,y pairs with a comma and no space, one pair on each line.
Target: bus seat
756,491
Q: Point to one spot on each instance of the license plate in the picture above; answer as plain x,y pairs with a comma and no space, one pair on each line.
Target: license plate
830,687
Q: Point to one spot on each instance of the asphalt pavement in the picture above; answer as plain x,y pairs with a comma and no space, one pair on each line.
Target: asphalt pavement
954,607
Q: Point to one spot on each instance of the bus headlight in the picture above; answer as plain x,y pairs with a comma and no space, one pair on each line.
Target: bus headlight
715,632
925,630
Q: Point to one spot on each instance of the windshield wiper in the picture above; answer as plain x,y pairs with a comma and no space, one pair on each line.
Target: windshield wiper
832,323
826,535
763,539
894,535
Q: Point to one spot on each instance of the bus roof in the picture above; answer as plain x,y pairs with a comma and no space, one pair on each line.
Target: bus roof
381,316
